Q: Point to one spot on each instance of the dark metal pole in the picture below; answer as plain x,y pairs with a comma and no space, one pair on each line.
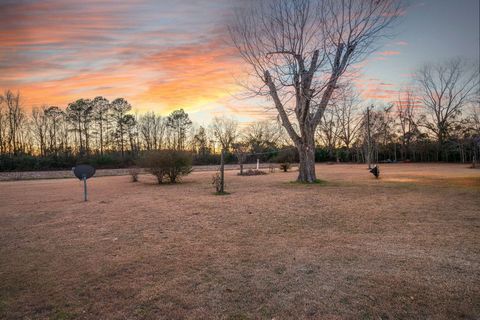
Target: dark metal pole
85,188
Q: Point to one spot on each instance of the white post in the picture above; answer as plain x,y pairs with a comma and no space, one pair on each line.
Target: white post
258,164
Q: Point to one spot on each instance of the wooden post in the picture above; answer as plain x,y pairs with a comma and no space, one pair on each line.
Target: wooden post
258,164
222,171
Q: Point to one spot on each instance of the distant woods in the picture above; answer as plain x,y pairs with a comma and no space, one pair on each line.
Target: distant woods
108,134
438,119
90,130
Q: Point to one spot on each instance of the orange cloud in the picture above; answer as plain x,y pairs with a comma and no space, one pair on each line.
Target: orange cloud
191,76
54,52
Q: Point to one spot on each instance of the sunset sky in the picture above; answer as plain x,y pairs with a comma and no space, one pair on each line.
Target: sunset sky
164,55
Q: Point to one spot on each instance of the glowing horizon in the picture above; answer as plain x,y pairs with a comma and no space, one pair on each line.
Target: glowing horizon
170,55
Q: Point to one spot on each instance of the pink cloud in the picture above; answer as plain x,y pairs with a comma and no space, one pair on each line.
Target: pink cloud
389,53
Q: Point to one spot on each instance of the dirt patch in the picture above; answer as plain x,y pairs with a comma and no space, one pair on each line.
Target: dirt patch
354,247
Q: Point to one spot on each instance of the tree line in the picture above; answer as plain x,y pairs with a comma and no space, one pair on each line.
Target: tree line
438,121
107,133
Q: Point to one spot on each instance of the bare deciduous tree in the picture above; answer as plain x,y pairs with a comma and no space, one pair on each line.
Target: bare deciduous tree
15,118
263,135
3,128
348,117
40,127
200,142
101,110
445,89
475,116
329,129
152,130
178,123
120,108
79,113
54,116
475,120
406,114
241,151
225,131
299,50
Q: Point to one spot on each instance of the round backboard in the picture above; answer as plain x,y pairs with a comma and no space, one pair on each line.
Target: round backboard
84,170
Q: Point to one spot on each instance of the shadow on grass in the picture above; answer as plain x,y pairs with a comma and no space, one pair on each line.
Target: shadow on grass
317,182
224,193
153,182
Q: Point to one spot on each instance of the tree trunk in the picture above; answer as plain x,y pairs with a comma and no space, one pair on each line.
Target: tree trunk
306,169
101,138
121,140
222,171
80,135
439,155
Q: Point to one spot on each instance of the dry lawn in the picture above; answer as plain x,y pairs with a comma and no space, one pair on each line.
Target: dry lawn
401,247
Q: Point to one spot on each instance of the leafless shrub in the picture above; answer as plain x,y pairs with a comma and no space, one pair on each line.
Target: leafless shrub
285,158
271,168
134,172
217,182
253,172
168,165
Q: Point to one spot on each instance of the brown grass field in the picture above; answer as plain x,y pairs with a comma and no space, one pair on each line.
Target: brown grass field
406,246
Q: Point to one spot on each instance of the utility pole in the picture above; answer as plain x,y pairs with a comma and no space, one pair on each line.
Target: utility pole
369,156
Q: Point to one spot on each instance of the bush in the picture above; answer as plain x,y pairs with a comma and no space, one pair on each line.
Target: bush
168,165
103,161
285,158
252,172
286,155
134,172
